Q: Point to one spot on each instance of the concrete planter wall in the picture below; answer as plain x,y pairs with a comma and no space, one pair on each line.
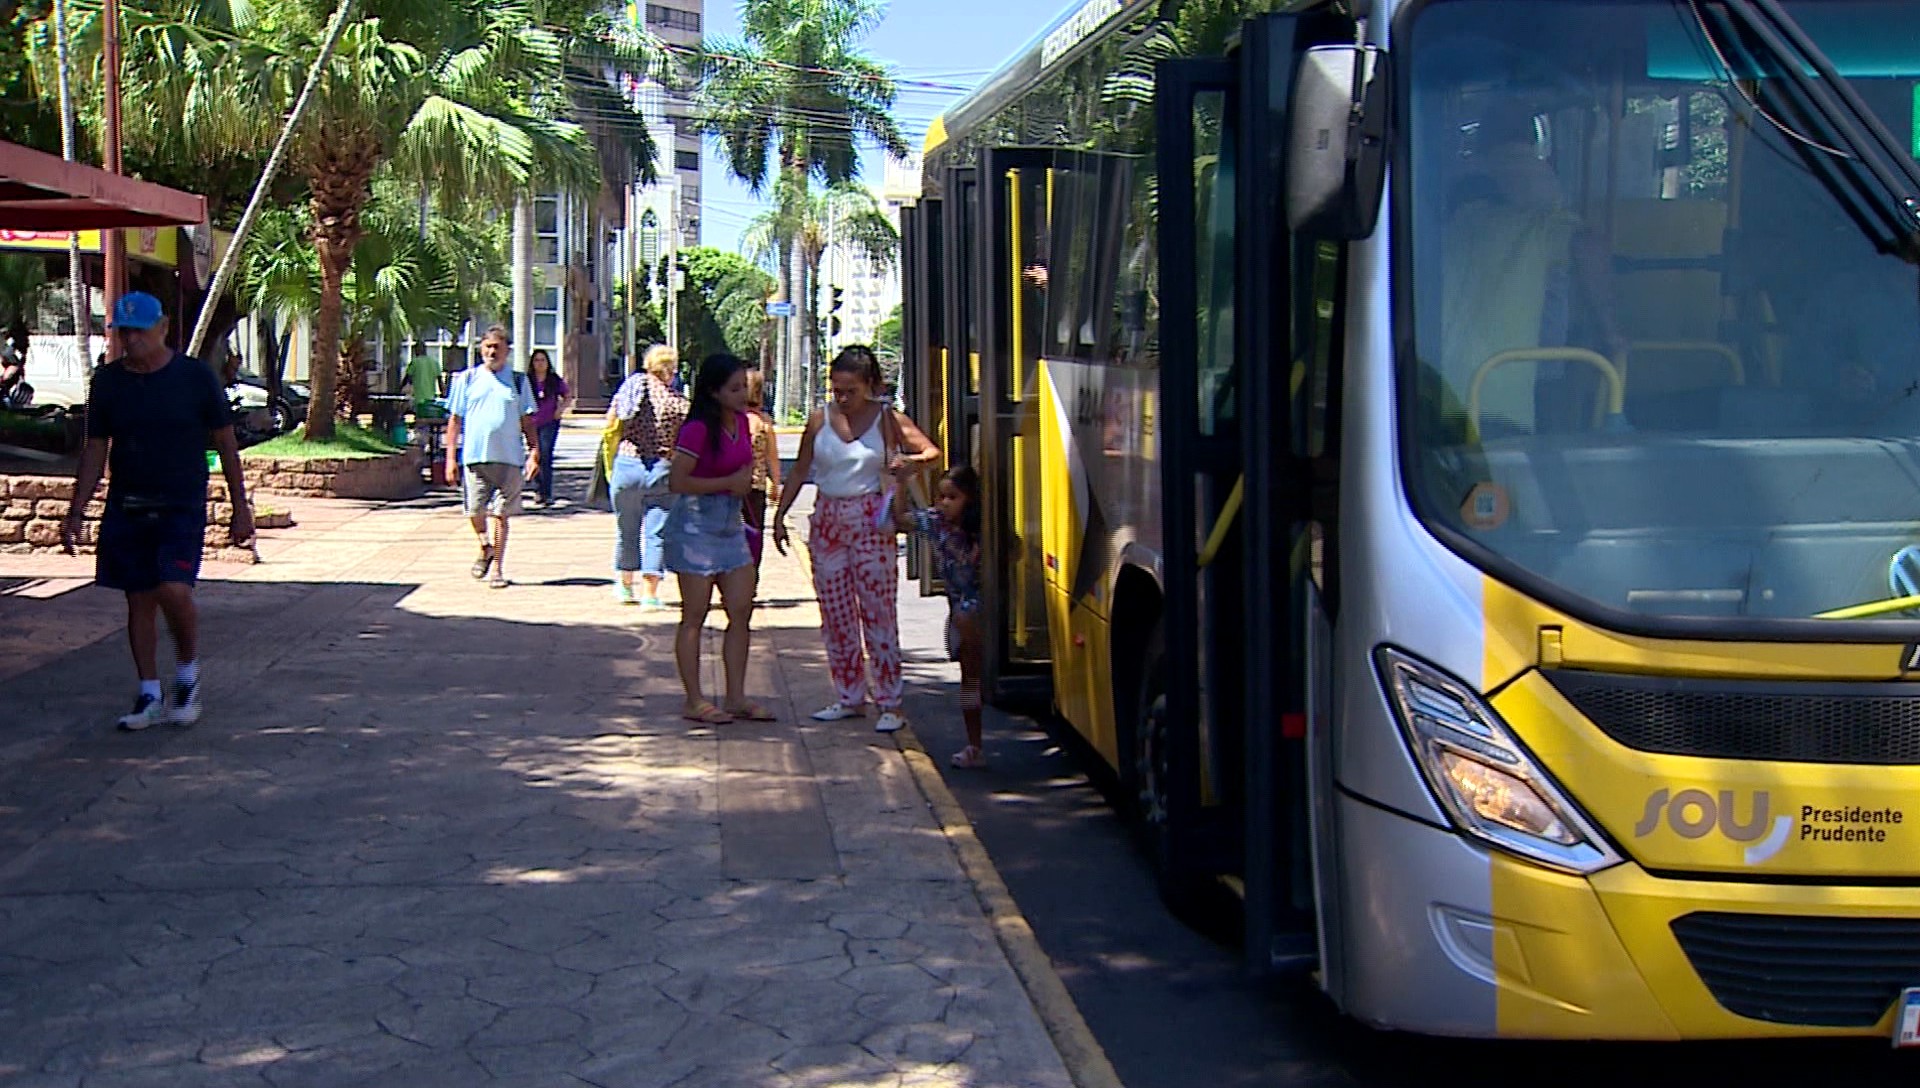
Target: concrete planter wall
396,476
33,507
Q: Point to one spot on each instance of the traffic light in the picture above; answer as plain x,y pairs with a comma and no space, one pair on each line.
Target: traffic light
834,299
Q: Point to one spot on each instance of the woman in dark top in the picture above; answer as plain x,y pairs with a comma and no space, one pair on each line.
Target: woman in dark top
550,395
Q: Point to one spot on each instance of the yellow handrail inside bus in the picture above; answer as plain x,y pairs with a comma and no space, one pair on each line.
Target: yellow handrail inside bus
1217,539
1616,383
1871,608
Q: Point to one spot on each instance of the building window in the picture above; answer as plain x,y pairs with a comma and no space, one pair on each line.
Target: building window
686,160
546,318
661,17
546,230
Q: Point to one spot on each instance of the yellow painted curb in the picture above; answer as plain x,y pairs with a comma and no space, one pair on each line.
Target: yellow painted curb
1086,1062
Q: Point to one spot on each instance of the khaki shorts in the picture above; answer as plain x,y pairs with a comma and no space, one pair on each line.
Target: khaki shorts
493,487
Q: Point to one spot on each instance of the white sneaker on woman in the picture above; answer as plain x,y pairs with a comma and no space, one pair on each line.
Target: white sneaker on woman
890,722
834,712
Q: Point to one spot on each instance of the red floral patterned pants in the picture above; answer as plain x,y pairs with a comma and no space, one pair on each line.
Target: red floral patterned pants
857,578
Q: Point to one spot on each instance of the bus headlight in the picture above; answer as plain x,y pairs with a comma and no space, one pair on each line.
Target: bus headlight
1483,776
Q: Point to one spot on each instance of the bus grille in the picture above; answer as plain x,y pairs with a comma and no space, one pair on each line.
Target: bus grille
1794,969
1730,719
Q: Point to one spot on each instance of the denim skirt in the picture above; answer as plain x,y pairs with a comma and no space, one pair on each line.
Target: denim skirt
705,535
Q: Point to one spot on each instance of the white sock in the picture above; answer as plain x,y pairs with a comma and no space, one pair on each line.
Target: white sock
188,673
150,687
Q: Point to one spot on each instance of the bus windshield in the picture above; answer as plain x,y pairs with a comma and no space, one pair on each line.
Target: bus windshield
1662,358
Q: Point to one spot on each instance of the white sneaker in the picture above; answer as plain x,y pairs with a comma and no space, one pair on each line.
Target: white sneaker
184,708
148,711
890,722
834,712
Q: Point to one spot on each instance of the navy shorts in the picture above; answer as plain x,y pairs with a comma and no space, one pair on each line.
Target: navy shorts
141,549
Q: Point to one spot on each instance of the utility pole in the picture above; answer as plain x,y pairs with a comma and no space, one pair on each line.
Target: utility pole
629,259
113,244
675,281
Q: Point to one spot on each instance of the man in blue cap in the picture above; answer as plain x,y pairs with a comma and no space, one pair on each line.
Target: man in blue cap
150,416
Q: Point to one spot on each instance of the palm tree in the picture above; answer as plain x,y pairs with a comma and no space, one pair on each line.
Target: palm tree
402,280
789,100
841,214
466,97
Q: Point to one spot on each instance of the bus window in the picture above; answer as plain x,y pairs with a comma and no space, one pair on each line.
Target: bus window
969,356
1135,328
1646,311
1214,260
1075,198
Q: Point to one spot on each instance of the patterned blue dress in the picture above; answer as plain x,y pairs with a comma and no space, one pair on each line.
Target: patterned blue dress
958,555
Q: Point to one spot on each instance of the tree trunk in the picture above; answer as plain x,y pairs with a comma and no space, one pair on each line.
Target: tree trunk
326,338
339,167
810,276
522,321
350,395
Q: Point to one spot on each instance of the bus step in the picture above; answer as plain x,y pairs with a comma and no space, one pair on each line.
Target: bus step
1293,953
1032,695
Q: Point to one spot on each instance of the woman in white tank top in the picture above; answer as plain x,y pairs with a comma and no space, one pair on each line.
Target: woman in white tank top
856,448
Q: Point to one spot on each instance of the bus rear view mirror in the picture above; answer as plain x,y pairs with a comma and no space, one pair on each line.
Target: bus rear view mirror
1336,152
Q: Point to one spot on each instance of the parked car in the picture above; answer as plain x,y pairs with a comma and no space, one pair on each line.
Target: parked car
249,393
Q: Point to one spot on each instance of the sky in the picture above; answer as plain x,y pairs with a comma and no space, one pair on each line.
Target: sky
933,41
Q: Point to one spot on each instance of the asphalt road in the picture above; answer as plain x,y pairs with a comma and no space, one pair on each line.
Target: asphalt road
1173,1008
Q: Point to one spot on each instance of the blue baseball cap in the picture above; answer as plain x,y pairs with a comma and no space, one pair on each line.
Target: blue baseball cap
137,310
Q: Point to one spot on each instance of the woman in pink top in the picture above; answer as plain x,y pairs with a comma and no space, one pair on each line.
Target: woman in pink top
705,538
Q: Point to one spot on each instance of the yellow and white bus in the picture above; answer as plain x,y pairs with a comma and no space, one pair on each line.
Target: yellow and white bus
1459,462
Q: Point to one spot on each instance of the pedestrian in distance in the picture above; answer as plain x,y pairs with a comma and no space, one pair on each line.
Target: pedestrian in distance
766,464
859,449
151,413
649,414
550,399
490,429
952,526
706,535
421,382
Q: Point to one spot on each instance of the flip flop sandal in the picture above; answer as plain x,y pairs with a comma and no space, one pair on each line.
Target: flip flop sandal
708,714
480,565
751,712
969,758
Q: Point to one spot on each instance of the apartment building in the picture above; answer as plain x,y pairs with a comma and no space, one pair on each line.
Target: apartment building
868,291
679,24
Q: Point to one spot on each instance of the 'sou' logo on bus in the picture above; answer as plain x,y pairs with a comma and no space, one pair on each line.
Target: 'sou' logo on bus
1695,814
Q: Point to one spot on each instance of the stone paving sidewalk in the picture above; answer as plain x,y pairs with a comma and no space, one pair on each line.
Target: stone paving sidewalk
433,834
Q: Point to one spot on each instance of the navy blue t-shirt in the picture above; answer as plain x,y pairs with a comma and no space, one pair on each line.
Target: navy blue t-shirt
156,425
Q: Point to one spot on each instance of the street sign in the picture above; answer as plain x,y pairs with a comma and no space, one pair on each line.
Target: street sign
779,309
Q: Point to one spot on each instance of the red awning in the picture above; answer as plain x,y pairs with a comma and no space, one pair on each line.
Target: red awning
39,191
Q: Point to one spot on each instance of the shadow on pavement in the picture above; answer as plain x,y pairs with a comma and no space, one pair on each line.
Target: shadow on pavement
409,844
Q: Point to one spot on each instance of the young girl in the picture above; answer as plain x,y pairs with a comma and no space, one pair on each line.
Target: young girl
705,537
952,524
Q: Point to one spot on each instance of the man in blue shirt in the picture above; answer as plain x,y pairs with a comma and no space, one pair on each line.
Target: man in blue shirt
490,427
150,416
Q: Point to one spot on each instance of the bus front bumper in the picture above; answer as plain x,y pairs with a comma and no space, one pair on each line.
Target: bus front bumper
1442,936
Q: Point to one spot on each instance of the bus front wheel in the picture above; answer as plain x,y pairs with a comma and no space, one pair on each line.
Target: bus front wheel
1158,812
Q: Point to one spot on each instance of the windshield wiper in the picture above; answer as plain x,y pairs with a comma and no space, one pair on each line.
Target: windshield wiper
1885,181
